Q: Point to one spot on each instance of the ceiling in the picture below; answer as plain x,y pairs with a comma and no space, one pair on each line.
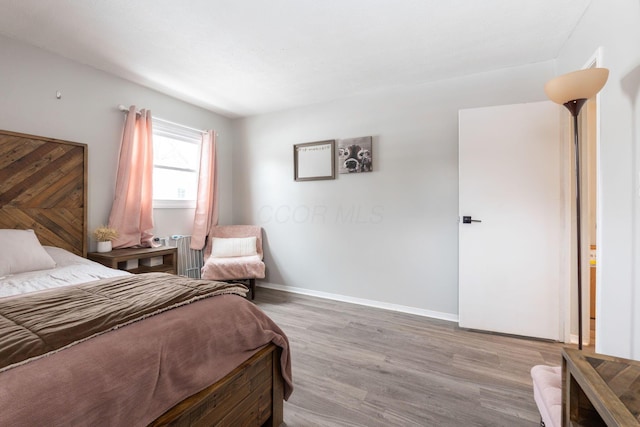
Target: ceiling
247,57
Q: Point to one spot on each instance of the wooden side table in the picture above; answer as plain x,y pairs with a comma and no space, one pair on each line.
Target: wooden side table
599,390
147,259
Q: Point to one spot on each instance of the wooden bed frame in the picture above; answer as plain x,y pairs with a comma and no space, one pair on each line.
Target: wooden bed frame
43,186
252,394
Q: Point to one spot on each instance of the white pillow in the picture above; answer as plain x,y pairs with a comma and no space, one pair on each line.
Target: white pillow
231,247
21,251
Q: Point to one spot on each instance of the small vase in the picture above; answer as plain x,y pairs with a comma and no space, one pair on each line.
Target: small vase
104,246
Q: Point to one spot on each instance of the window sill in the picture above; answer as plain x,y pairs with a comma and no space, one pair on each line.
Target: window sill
174,204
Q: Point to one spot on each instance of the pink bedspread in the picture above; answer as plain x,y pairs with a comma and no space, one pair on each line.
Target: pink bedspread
133,375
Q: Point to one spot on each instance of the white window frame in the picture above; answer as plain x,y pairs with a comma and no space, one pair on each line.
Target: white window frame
188,136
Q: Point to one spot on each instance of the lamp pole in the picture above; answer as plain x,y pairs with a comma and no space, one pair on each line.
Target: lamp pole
574,108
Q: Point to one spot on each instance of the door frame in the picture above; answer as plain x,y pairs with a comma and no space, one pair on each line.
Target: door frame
595,61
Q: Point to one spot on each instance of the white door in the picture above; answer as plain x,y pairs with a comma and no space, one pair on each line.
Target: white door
510,180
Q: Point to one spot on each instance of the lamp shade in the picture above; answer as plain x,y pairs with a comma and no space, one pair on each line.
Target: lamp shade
581,84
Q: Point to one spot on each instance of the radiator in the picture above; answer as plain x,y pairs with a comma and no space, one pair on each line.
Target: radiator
189,261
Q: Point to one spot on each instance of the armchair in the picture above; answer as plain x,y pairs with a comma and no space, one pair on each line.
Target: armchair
234,253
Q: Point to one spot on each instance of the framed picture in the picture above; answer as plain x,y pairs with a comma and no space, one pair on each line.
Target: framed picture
314,160
355,155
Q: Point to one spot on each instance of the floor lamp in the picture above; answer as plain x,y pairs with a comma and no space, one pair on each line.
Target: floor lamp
572,90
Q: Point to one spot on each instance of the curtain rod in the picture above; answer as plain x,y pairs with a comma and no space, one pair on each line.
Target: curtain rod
126,110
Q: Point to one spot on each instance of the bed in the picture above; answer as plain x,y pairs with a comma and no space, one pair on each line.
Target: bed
210,358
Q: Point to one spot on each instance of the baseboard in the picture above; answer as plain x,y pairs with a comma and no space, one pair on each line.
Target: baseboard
573,339
361,301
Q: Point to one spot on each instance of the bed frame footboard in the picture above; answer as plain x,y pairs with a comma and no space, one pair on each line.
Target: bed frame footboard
251,394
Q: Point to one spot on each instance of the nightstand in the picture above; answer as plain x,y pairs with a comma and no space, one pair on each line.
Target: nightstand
139,260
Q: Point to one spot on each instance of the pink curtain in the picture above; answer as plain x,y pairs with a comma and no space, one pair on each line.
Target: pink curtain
132,210
206,215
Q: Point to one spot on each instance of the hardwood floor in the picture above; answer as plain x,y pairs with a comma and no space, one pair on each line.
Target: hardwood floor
361,366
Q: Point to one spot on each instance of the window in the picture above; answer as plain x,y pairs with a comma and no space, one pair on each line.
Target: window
176,160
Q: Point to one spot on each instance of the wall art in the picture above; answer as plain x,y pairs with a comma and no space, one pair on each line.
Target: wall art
355,155
314,160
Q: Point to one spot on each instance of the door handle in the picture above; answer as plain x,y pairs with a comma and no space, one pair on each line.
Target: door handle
469,220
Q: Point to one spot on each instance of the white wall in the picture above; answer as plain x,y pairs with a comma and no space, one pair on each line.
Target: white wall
615,26
87,113
387,236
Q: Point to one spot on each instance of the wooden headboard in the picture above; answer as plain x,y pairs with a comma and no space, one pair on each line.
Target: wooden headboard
43,186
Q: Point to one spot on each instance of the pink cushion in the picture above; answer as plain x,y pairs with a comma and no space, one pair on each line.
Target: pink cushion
547,392
245,267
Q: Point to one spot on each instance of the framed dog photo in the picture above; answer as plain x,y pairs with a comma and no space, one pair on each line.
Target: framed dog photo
355,155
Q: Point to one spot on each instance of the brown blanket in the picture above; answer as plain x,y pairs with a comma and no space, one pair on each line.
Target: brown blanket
132,375
35,325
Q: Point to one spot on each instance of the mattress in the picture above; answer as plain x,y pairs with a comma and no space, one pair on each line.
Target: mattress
70,270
